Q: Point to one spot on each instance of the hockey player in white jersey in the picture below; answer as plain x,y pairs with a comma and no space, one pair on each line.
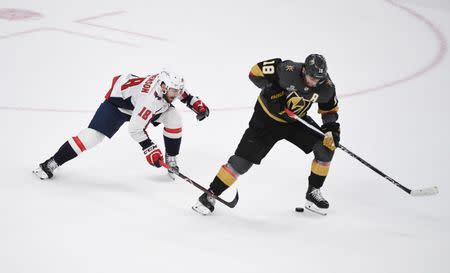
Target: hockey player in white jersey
139,101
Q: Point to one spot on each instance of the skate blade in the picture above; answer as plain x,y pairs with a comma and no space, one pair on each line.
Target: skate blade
172,176
199,208
40,174
313,208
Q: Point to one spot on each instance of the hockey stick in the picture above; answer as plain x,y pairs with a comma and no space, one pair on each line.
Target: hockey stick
417,192
231,204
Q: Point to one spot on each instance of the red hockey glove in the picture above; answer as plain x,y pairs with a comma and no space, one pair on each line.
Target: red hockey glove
199,108
154,155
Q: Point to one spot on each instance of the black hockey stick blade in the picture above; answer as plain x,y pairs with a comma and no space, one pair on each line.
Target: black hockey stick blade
230,204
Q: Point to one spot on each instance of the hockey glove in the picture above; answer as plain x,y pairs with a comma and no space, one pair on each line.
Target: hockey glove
332,135
154,155
199,108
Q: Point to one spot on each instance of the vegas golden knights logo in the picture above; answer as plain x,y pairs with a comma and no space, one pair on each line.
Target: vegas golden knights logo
298,104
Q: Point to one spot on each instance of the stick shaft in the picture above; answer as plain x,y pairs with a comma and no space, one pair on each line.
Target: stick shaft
367,164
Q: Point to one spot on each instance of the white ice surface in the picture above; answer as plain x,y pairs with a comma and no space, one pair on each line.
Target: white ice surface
108,211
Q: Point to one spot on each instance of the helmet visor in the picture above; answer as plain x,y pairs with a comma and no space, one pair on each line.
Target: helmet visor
173,92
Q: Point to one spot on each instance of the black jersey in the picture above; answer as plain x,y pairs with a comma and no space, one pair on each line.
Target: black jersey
282,84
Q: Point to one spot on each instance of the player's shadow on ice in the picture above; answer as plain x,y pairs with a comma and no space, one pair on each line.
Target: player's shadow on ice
131,185
159,178
101,185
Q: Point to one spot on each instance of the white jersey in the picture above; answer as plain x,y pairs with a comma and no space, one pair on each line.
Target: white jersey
140,98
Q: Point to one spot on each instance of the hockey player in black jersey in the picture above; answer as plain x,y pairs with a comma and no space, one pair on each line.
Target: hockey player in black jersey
286,87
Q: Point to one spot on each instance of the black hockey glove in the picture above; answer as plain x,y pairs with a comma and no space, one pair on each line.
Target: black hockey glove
332,135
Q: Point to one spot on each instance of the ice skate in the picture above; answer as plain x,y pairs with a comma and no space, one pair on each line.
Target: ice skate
45,170
205,204
172,162
315,201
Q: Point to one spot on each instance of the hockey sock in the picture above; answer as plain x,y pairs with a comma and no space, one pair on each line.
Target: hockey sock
172,145
224,179
86,139
319,171
316,181
64,154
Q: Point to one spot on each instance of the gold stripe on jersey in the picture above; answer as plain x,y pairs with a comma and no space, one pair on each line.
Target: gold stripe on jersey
320,168
268,112
226,176
334,110
256,71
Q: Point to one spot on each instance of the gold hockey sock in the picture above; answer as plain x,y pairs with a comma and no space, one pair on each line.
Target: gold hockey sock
319,171
223,180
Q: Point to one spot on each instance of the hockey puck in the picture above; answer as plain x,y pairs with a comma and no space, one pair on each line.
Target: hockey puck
299,209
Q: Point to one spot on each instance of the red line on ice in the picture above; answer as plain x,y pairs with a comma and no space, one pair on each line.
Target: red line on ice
439,55
84,21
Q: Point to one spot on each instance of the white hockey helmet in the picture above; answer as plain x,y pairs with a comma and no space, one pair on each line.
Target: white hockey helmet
172,80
